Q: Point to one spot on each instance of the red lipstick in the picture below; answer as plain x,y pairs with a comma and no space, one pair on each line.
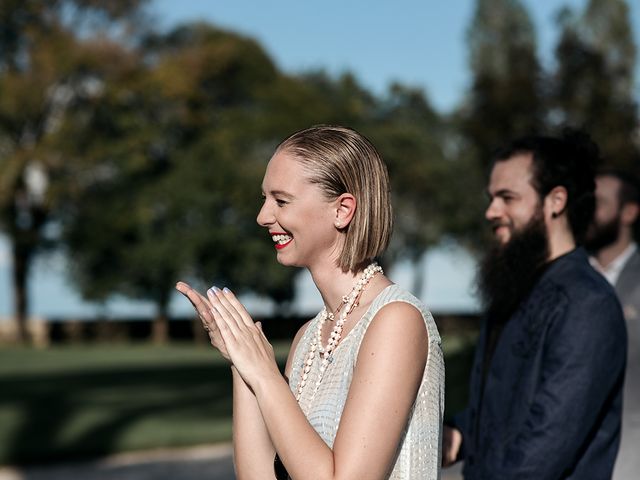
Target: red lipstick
280,246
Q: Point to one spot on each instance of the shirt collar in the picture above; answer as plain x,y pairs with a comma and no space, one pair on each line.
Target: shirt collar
612,271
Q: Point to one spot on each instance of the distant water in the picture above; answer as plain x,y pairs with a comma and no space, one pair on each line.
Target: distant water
447,283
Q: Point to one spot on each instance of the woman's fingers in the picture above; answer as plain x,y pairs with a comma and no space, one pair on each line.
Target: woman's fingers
224,317
247,347
203,308
206,314
230,297
194,297
230,311
200,304
218,299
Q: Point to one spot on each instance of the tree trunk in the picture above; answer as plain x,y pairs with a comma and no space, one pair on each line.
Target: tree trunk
21,262
160,325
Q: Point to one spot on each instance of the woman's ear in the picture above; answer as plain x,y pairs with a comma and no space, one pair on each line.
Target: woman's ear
345,210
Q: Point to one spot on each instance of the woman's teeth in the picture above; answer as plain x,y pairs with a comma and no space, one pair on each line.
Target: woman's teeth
281,239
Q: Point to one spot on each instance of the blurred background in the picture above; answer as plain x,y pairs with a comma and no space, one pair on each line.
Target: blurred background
133,139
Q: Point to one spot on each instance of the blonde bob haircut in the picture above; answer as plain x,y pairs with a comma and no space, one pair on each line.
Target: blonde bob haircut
340,160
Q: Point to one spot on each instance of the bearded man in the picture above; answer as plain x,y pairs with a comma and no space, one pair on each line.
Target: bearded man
546,385
610,239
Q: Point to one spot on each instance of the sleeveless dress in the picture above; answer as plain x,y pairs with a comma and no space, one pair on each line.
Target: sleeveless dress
418,454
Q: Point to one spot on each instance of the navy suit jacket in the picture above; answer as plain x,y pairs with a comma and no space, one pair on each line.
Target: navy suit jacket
550,405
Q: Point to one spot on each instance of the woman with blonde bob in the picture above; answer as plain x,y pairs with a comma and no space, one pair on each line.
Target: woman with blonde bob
364,395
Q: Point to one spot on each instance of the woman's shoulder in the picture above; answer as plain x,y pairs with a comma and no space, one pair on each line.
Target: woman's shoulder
396,329
399,314
394,299
393,293
400,309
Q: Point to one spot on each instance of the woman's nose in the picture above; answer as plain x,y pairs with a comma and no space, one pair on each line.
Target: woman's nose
265,217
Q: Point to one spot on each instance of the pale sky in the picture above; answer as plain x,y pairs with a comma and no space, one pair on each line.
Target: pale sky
417,42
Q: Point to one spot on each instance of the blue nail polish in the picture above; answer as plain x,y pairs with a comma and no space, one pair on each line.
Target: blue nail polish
214,289
226,290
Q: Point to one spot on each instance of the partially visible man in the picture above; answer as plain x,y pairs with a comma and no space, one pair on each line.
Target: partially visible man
611,241
546,385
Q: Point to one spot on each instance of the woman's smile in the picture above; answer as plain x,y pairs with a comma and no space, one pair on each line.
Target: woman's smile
281,239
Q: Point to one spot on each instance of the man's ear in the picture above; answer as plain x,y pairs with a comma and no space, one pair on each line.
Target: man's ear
555,202
345,210
629,213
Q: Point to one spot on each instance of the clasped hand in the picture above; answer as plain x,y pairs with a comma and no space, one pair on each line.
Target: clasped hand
203,309
233,332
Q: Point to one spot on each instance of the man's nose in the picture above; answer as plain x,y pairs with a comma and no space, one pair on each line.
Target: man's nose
493,210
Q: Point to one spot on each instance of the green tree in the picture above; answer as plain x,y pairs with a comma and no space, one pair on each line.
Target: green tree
594,80
409,133
44,66
428,175
176,149
505,99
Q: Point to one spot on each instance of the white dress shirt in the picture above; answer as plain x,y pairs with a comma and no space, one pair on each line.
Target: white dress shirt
612,271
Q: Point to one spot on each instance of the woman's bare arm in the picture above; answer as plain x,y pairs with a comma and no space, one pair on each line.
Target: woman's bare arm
387,377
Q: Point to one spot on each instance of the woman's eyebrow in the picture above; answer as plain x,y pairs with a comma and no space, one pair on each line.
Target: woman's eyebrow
281,193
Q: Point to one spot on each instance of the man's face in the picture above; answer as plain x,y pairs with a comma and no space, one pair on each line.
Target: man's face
513,200
512,265
605,228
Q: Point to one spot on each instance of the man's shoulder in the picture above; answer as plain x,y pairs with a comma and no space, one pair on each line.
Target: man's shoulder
575,300
633,264
573,284
628,286
574,275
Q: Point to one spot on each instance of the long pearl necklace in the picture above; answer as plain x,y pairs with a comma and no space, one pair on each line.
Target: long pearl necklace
349,302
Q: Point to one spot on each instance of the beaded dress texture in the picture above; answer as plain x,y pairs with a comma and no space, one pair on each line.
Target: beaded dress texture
419,451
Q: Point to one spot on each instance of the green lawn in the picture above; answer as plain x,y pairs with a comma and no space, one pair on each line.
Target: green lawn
72,402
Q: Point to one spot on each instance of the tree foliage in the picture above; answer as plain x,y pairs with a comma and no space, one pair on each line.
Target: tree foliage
177,161
44,67
175,151
506,98
147,149
594,80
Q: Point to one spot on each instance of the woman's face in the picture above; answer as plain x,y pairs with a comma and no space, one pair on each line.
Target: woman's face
300,220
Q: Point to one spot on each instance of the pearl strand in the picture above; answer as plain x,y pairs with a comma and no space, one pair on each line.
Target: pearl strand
349,302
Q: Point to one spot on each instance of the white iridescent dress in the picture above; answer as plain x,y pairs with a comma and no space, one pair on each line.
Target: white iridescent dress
419,451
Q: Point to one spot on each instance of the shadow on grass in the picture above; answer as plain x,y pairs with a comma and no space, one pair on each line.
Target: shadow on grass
65,416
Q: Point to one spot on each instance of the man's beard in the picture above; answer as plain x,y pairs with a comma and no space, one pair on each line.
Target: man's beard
603,235
509,271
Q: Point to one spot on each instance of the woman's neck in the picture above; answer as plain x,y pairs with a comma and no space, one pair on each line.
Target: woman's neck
333,284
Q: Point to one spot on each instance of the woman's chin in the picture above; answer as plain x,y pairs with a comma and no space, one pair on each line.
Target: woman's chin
288,262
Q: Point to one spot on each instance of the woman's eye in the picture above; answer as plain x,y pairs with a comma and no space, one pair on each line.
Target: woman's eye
281,203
